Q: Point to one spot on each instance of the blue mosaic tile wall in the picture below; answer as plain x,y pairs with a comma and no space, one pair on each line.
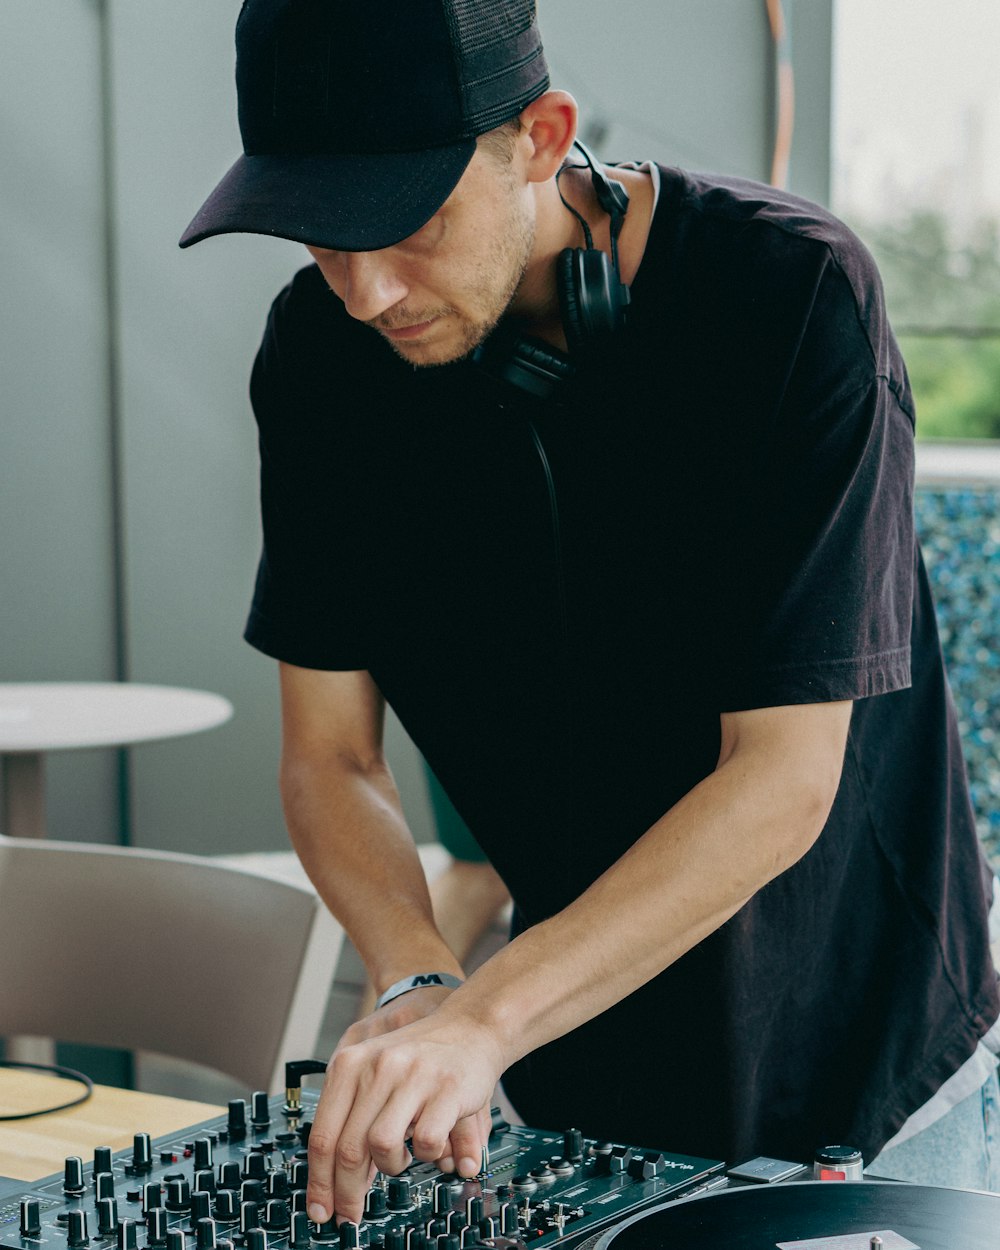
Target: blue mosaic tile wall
959,530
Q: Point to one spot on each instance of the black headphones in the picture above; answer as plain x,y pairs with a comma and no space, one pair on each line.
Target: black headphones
592,299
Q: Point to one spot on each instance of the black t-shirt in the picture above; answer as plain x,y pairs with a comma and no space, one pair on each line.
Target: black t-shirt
733,529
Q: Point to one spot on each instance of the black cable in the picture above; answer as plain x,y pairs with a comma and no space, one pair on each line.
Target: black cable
55,1069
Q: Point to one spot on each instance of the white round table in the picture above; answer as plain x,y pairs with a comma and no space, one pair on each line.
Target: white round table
38,717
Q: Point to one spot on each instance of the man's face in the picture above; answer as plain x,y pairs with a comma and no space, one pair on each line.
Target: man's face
437,294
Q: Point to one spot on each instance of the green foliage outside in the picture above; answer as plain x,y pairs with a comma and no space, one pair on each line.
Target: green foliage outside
934,280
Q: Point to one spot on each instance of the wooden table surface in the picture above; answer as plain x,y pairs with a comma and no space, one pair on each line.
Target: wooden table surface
35,1148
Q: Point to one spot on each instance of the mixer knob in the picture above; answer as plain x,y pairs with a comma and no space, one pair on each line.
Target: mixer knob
202,1154
204,1181
76,1233
142,1152
31,1217
573,1145
416,1239
107,1216
252,1191
249,1216
276,1214
229,1175
152,1196
176,1239
256,1239
375,1204
104,1186
73,1175
126,1235
508,1220
156,1226
350,1236
277,1184
449,1241
227,1206
298,1200
206,1234
237,1119
299,1238
260,1113
395,1240
442,1198
325,1232
469,1236
398,1194
201,1208
300,1174
487,1228
255,1167
305,1128
102,1160
178,1194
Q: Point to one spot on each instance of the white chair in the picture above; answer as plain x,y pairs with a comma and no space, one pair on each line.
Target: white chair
156,951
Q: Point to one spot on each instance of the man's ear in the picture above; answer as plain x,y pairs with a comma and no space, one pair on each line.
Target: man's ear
548,128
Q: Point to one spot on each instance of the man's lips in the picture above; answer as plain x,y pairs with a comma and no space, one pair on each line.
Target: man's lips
409,332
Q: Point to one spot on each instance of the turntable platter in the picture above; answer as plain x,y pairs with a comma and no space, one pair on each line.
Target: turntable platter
822,1215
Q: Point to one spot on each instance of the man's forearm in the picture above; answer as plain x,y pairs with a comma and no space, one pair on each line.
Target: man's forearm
347,826
742,826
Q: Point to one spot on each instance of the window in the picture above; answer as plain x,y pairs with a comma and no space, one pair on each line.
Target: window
916,142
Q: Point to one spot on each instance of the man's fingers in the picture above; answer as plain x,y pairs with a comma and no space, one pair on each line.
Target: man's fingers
467,1142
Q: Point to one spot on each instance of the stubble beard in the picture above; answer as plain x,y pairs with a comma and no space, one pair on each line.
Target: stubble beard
497,278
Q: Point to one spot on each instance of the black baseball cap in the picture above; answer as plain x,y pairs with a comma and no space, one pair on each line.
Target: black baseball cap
359,117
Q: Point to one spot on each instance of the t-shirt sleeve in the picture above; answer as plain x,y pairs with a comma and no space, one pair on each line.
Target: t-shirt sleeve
826,556
306,597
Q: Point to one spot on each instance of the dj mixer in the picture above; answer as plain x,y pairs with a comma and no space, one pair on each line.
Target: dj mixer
239,1181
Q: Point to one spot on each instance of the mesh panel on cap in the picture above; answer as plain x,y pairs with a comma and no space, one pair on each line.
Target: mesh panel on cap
493,95
476,25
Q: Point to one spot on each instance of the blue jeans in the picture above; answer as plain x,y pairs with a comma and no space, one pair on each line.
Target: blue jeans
961,1150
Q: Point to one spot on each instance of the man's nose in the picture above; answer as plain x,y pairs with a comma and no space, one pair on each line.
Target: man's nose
371,283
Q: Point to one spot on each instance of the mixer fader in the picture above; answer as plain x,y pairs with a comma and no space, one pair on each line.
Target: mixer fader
238,1183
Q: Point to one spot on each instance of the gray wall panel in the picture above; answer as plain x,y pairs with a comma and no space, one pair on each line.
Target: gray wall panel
56,560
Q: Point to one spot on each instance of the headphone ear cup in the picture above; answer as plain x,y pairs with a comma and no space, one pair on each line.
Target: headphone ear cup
591,298
568,283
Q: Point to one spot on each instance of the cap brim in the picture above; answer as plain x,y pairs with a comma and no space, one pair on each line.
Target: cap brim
354,203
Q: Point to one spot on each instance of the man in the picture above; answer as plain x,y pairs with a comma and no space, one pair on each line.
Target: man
652,631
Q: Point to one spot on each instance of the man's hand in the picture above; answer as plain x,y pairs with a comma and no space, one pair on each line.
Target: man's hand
430,1081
